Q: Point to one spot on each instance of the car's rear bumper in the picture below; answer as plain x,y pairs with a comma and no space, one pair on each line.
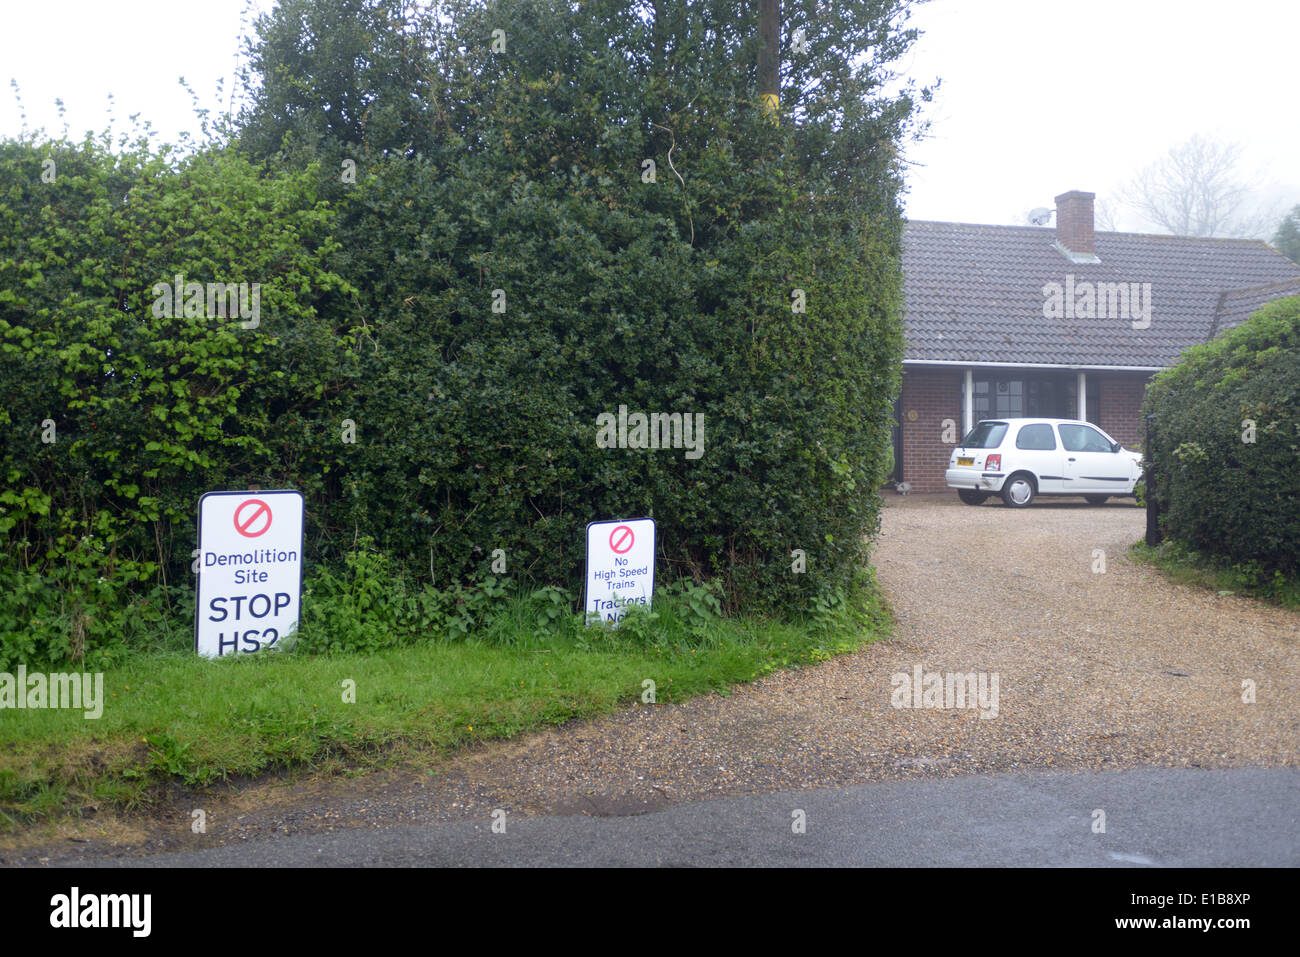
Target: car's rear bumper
974,478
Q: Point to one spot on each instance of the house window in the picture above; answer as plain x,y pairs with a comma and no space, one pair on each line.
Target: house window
1045,396
1000,397
1052,397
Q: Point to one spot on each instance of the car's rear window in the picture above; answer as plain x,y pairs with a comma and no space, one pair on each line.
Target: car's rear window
986,435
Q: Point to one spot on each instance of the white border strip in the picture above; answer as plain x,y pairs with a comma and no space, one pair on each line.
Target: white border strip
1028,365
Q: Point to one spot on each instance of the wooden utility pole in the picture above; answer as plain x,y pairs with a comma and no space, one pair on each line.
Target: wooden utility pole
769,56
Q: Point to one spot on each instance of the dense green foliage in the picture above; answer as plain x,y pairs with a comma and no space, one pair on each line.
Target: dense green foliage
522,170
1223,444
387,176
115,419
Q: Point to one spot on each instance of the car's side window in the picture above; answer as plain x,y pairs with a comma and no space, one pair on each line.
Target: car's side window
1036,438
1080,438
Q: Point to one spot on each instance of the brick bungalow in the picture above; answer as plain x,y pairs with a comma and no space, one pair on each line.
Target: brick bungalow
1005,321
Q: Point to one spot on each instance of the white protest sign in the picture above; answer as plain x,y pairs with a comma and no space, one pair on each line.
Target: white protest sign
250,571
620,567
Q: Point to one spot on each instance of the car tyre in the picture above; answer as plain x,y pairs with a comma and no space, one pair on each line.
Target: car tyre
1096,499
1018,490
972,496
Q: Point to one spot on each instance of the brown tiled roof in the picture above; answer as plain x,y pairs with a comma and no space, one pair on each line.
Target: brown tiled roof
975,294
1238,305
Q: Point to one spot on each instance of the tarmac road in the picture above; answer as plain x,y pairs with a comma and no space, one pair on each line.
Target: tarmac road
1163,817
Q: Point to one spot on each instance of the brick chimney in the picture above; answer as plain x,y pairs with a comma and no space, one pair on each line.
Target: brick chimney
1074,222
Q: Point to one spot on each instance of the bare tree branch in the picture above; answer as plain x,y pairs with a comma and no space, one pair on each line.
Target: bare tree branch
1104,216
1195,190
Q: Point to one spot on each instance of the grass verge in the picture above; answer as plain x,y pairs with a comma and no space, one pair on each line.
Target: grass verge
1190,567
172,719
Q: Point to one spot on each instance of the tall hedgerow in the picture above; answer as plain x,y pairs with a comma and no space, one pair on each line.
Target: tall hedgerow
1224,437
116,412
475,232
601,175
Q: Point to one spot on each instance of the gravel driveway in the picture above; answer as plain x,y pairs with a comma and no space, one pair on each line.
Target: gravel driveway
1095,670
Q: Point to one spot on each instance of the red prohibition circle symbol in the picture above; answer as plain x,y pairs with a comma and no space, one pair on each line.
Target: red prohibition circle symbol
621,539
252,518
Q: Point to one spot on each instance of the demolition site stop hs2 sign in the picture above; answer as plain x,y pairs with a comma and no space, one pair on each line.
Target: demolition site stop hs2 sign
250,571
620,567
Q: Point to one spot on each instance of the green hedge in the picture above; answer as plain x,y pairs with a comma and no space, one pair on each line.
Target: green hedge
475,429
524,171
1224,489
116,416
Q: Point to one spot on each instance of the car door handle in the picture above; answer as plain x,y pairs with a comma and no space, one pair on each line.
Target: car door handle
1070,459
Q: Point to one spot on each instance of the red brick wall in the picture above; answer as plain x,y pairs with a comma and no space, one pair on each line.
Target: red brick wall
1120,406
933,395
1074,222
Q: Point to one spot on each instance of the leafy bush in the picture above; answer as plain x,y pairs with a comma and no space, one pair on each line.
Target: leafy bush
72,614
116,412
1223,445
475,428
525,172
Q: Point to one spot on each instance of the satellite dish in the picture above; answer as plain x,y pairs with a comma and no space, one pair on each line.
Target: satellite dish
1040,215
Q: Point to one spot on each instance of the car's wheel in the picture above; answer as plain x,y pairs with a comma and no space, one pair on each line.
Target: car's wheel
1096,499
972,496
1018,490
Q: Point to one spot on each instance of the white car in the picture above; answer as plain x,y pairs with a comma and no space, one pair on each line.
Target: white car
1022,458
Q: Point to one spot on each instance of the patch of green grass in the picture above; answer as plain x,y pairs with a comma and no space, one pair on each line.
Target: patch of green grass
171,718
1191,567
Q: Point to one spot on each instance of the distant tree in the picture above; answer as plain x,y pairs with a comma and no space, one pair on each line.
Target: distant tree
1195,190
1104,216
1287,238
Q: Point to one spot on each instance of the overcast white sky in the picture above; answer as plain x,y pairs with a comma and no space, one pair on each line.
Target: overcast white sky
1044,96
1038,96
